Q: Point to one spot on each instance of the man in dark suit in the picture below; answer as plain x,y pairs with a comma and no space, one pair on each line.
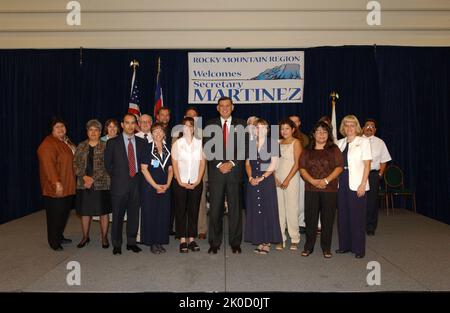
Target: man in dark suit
122,162
225,174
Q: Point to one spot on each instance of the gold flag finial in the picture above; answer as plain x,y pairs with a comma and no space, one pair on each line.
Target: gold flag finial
134,64
334,96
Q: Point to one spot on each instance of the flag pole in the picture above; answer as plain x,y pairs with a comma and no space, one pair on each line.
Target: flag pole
159,65
334,97
159,69
134,64
158,92
133,106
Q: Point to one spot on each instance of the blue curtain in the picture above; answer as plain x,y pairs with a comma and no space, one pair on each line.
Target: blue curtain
405,88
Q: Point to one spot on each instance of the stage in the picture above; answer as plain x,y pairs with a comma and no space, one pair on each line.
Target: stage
413,252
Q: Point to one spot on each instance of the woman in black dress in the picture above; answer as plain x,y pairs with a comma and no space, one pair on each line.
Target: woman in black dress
92,198
155,193
262,226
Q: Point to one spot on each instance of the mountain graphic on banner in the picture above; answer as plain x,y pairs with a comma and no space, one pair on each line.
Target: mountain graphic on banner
284,71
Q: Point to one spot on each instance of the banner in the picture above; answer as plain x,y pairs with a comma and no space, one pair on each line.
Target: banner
246,77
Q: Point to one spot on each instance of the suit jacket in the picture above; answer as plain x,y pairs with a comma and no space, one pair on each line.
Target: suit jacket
358,151
55,165
238,170
116,163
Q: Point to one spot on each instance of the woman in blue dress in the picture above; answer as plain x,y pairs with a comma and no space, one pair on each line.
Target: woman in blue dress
155,193
262,225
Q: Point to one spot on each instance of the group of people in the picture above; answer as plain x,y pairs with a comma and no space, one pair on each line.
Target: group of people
289,184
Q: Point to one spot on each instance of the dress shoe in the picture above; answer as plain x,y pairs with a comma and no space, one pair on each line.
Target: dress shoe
83,242
213,250
117,250
327,254
172,233
184,247
302,230
58,248
370,233
202,236
340,251
236,250
306,252
161,248
359,256
134,248
66,241
193,246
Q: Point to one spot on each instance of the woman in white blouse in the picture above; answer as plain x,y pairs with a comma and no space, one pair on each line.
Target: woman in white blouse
189,166
353,184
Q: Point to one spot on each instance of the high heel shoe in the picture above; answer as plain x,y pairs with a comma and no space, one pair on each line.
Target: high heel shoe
265,249
83,242
105,245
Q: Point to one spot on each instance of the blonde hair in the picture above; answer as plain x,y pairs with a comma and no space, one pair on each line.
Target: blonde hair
261,121
353,119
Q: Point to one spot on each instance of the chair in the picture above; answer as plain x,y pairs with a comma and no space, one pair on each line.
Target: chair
384,199
393,179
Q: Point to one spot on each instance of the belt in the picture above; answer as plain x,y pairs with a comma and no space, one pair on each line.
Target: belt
374,171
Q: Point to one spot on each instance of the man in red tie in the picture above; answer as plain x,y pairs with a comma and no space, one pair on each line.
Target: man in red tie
122,162
225,174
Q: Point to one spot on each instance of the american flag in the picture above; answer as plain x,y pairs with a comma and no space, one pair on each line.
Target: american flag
158,92
133,106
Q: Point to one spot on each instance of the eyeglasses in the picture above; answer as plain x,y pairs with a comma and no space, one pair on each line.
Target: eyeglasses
370,127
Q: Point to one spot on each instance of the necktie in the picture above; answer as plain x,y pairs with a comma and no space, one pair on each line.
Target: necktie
145,136
131,160
225,134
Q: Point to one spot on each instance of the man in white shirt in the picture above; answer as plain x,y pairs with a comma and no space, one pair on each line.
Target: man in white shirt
380,157
145,124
